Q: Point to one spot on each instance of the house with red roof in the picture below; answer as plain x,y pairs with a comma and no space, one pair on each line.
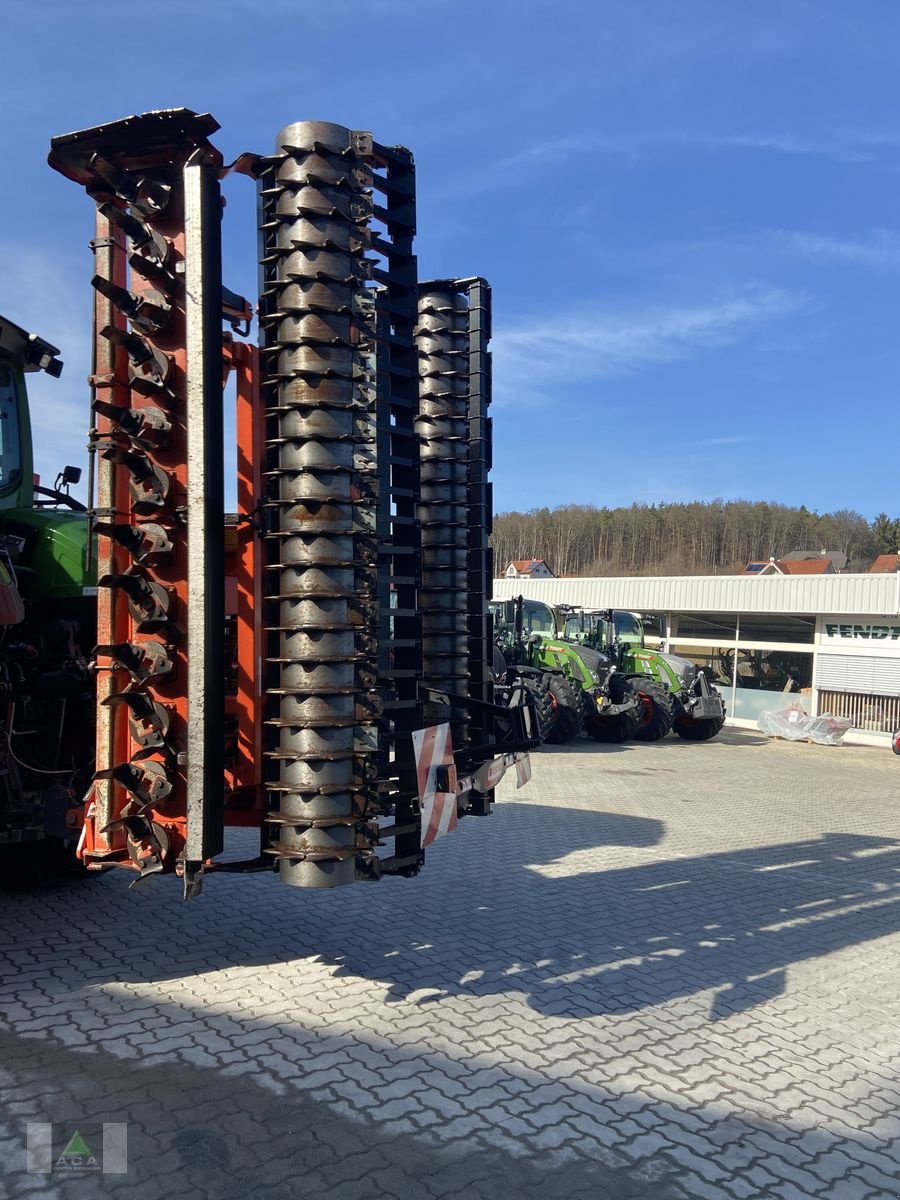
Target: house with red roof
528,568
885,564
791,566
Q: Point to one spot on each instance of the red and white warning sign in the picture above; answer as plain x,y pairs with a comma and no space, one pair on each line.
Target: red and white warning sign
434,765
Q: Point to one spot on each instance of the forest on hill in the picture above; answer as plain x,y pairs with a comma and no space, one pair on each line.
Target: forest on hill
696,538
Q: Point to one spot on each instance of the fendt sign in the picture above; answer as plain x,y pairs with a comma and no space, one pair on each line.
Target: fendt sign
855,632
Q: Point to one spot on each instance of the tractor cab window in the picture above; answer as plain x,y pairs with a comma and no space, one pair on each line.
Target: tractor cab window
573,628
628,628
538,618
10,456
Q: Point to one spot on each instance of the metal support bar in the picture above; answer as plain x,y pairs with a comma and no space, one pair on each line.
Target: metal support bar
112,495
205,516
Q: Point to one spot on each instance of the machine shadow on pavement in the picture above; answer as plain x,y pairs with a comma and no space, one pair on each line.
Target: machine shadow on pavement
624,939
193,1130
254,1083
518,908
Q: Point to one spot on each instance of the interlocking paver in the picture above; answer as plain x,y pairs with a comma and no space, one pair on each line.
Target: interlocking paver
659,972
886,1185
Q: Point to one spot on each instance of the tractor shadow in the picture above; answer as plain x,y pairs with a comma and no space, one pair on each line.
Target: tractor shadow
580,941
570,908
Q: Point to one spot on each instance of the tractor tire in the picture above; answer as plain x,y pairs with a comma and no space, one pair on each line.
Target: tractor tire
623,725
659,710
588,708
49,863
698,731
536,686
565,698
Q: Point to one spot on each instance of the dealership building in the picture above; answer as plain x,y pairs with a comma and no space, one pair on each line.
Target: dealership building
830,642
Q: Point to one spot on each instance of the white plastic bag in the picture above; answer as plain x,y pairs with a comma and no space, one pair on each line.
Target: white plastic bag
794,724
828,730
788,723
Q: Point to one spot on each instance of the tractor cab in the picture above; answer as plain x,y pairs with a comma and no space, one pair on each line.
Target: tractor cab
19,352
520,624
628,628
603,629
608,627
43,531
538,618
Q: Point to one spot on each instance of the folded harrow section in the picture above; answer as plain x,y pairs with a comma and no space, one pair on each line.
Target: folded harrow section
354,692
157,407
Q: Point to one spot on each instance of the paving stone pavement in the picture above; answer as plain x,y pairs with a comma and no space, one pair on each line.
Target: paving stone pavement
666,971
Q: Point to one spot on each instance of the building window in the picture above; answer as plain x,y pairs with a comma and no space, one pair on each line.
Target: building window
708,627
777,627
768,680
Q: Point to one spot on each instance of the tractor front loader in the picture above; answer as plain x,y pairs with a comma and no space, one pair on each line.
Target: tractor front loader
315,667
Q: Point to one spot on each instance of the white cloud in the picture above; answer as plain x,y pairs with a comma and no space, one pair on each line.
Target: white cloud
841,149
881,249
737,440
556,150
536,357
518,167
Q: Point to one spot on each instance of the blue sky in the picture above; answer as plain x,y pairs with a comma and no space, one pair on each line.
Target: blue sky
689,211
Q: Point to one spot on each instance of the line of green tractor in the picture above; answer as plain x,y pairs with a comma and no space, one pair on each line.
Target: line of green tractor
591,670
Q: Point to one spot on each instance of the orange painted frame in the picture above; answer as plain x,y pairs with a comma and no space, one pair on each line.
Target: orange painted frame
246,805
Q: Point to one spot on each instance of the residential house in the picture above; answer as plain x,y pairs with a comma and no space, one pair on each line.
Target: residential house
791,566
528,568
838,557
885,564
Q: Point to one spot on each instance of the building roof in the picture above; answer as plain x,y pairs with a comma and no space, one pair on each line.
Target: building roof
525,565
838,557
806,566
790,566
885,564
830,595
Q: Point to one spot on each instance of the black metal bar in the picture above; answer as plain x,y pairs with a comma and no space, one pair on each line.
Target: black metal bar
400,538
480,559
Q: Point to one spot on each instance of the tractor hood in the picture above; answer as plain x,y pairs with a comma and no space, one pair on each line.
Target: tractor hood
598,664
51,562
683,667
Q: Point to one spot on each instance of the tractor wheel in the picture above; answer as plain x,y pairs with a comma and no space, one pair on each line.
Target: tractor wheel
47,863
588,708
659,710
623,725
700,730
539,692
569,709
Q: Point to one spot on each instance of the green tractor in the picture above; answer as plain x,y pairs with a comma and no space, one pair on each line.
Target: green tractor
675,692
575,687
47,615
